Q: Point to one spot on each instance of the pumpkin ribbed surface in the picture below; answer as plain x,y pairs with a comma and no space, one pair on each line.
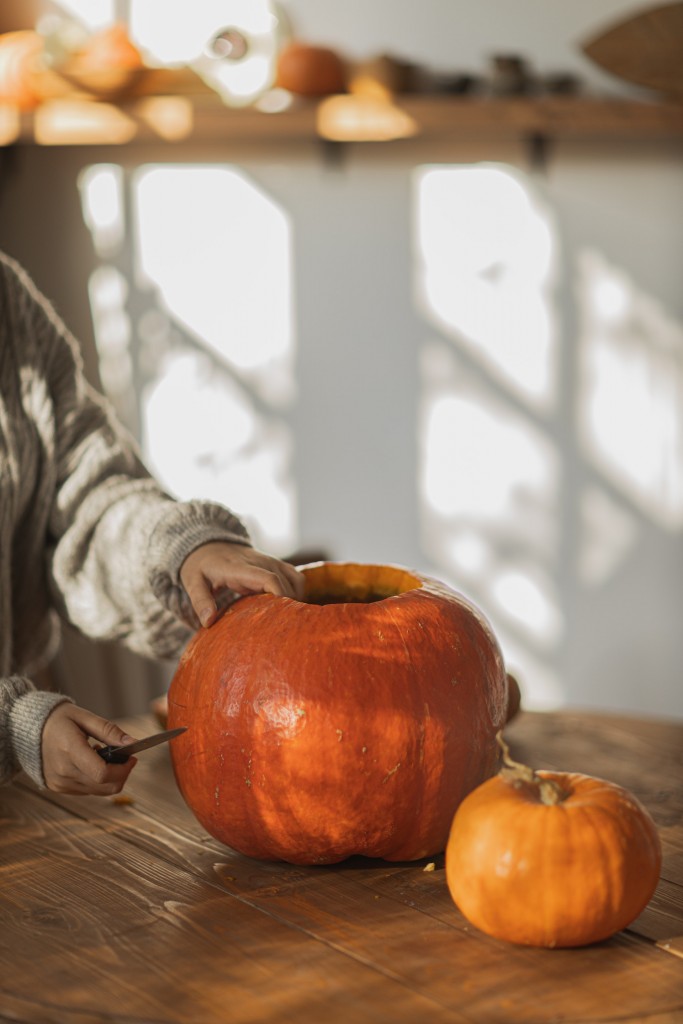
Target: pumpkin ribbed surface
352,722
565,873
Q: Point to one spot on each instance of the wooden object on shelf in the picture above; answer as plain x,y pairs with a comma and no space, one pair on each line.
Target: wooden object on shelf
645,49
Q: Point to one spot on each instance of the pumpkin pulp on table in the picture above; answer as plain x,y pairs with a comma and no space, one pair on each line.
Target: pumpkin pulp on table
352,722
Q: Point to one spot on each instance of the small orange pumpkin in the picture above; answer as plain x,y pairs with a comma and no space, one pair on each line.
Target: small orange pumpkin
551,859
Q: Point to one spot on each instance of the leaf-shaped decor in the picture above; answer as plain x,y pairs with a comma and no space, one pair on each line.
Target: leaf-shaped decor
645,49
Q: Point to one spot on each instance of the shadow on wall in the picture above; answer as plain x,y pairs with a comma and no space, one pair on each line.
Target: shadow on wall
542,459
192,311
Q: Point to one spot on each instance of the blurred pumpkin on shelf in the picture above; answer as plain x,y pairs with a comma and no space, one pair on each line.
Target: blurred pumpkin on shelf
307,70
107,66
112,47
20,56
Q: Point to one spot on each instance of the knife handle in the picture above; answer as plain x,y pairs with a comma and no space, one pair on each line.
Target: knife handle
111,755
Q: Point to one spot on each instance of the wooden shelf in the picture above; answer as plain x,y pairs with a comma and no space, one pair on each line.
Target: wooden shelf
559,117
202,117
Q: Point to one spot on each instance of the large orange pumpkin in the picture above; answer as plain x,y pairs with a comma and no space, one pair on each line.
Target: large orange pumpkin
551,859
352,722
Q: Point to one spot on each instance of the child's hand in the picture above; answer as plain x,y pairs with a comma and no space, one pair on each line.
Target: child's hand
70,765
219,565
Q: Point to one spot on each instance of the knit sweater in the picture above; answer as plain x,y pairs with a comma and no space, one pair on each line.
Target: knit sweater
86,535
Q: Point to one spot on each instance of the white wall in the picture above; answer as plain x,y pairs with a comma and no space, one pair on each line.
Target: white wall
361,334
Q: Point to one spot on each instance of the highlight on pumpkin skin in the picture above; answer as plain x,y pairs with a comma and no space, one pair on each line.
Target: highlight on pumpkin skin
327,582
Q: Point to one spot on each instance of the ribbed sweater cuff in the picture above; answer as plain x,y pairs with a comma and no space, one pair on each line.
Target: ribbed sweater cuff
26,719
184,528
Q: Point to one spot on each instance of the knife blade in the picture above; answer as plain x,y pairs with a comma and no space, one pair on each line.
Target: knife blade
119,755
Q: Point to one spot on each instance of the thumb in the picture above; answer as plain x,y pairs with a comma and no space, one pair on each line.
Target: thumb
202,600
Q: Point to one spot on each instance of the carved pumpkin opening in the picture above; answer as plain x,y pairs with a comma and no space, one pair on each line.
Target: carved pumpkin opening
340,583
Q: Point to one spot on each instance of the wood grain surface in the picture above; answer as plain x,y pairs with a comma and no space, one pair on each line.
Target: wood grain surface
130,912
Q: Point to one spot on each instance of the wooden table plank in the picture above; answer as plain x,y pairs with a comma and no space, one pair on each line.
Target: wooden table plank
645,757
112,930
362,940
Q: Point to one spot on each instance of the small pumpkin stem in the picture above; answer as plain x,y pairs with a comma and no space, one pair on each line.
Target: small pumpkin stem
518,774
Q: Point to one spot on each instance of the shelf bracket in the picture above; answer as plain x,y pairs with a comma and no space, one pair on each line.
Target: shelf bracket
538,147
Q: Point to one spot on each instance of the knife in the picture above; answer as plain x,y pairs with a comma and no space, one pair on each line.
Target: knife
119,755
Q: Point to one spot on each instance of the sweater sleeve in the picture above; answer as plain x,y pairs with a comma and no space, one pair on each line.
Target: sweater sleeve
23,711
116,541
184,527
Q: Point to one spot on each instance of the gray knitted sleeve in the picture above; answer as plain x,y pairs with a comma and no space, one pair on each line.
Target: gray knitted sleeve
116,540
110,541
23,711
185,527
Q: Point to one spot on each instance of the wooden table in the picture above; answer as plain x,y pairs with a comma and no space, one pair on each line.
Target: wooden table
132,913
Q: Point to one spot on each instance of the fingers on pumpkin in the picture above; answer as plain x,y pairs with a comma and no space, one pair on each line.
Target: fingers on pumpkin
256,580
295,579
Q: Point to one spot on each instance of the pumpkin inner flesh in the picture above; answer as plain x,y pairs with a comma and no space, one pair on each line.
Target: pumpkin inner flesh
347,583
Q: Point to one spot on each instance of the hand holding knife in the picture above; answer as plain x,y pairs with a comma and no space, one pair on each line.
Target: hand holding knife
119,755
